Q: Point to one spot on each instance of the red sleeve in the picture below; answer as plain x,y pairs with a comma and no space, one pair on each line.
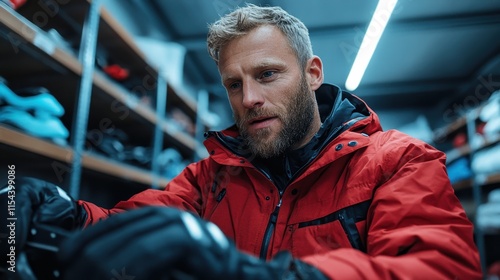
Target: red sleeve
182,192
417,228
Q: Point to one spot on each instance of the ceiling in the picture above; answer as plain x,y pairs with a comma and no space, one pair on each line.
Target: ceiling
431,50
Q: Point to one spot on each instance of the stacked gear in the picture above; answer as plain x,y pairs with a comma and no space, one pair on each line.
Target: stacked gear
33,110
114,143
171,163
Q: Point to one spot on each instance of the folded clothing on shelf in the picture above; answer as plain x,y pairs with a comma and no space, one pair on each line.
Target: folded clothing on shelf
491,129
419,128
491,109
459,170
490,116
488,214
486,161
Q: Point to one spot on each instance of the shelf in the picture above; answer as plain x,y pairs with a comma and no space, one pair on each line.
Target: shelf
490,179
34,56
121,48
484,180
444,132
106,85
466,150
122,95
462,184
91,161
25,30
120,170
457,153
33,144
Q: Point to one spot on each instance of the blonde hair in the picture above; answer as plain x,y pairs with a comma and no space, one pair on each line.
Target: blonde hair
243,20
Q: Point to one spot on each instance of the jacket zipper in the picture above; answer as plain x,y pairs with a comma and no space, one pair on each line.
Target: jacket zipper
270,229
272,219
221,195
217,197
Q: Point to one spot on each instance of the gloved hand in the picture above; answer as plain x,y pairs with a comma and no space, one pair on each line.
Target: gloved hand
29,204
166,243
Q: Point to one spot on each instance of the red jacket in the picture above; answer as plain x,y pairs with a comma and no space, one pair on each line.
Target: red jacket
359,204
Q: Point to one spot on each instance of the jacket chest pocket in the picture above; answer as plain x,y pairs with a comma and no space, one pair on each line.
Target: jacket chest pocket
345,228
318,239
213,203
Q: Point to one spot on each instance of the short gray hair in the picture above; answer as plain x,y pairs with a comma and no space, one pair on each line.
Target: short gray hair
243,20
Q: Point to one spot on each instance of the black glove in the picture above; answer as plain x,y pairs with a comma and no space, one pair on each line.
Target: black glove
33,207
166,243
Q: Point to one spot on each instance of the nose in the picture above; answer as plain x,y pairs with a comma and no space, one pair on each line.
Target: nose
252,95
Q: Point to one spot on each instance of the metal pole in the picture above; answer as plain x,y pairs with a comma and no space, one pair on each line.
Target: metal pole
161,104
201,112
476,189
87,58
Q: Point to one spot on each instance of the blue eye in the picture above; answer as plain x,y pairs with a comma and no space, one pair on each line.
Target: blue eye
268,74
234,86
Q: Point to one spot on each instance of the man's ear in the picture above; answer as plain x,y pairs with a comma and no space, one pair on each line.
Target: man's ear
314,72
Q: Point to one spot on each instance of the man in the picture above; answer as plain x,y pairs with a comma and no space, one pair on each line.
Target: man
305,185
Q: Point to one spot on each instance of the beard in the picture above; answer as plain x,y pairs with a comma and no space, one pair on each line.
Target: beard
296,118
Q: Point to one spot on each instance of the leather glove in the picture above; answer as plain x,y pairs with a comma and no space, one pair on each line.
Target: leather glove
166,243
32,206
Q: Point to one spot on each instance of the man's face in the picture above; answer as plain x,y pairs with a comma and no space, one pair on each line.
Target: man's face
272,103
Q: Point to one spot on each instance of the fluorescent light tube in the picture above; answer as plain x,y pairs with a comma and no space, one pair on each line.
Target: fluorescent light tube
370,40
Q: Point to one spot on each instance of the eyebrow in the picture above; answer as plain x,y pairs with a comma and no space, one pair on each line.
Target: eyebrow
269,62
260,65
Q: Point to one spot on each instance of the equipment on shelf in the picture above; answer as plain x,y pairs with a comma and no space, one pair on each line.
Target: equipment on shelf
35,98
488,214
138,154
114,143
15,4
486,161
419,128
459,170
111,68
33,110
39,124
139,90
181,121
490,116
116,72
171,163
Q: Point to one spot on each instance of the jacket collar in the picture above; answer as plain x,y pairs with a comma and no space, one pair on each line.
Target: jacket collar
339,110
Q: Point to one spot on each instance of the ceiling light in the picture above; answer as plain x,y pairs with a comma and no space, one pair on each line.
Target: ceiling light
370,40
